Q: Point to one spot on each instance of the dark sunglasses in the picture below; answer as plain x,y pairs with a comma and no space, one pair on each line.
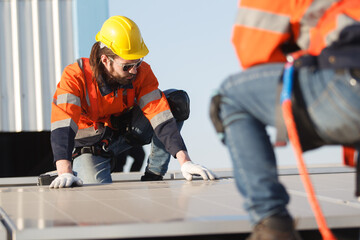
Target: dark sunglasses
128,66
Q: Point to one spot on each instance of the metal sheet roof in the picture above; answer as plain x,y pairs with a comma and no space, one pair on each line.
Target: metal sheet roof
36,44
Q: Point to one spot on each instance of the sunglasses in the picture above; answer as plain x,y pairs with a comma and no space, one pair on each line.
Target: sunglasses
128,66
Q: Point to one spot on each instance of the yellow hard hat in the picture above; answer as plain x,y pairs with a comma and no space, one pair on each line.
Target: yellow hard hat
123,37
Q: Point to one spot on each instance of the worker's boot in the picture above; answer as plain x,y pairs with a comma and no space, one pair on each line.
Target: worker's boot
149,176
275,228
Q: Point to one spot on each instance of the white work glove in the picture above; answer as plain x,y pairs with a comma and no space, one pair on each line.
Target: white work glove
189,169
66,180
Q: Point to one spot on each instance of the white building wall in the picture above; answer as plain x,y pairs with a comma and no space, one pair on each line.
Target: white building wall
38,38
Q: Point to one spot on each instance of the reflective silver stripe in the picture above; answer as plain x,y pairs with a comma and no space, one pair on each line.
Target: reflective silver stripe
310,20
87,98
160,118
64,123
151,96
342,22
258,19
90,131
67,98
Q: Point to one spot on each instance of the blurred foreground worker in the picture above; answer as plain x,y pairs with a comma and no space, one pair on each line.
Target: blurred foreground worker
136,152
105,104
325,35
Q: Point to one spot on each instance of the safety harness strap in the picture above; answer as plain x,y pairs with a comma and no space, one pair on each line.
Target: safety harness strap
349,156
286,102
309,138
94,150
281,134
357,187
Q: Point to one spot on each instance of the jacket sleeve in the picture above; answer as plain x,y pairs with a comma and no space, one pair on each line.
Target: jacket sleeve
155,107
261,27
65,112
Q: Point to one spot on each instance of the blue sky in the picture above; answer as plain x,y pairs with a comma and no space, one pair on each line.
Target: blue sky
190,49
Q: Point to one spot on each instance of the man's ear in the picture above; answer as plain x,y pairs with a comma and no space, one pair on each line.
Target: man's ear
105,60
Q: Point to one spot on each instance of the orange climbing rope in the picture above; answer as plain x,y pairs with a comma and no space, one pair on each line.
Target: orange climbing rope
295,141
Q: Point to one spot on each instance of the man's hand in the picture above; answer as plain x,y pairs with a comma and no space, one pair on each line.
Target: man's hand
189,169
66,180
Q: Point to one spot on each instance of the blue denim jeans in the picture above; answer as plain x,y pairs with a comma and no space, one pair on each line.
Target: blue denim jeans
248,106
97,169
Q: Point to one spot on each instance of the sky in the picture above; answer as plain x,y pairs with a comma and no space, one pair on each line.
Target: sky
190,49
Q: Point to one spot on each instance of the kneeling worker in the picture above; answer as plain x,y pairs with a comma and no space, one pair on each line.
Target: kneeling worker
109,102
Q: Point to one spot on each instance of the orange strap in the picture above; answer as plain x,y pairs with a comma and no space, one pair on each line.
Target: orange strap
349,156
294,139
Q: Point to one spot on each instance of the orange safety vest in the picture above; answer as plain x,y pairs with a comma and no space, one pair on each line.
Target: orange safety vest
79,108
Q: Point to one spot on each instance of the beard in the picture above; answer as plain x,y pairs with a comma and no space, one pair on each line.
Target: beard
122,80
116,81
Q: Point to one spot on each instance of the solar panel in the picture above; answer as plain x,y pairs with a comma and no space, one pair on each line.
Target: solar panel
173,207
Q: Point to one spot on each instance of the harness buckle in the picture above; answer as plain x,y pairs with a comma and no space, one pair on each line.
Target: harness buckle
105,145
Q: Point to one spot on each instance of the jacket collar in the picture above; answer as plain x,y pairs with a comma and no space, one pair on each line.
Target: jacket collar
105,88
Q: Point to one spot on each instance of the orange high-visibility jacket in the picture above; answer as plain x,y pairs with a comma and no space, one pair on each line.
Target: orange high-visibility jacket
80,106
263,28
